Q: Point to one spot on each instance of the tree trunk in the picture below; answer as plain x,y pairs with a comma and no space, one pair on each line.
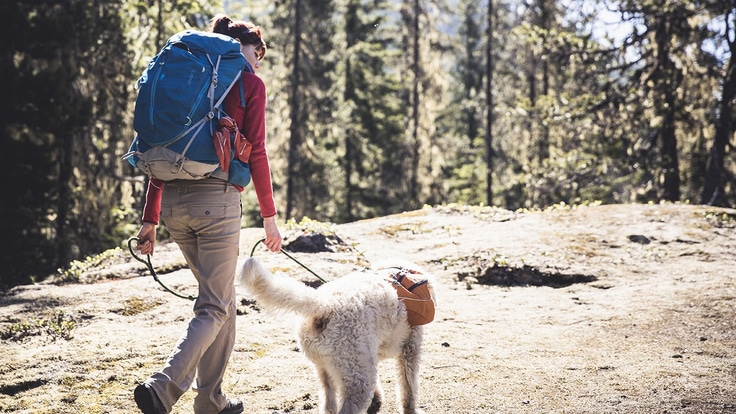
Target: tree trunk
668,79
545,23
414,122
64,197
160,25
489,106
713,190
668,154
295,105
349,133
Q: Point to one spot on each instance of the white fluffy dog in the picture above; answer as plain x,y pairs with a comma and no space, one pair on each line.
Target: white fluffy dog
347,326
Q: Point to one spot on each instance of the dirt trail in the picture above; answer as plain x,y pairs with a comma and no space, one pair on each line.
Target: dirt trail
600,309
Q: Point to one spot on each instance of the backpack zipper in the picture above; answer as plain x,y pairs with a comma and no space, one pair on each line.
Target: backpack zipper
153,91
202,92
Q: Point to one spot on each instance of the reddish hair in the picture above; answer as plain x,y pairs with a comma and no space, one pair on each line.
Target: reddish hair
246,33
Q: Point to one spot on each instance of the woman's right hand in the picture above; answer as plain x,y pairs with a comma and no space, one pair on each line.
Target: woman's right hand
273,236
146,238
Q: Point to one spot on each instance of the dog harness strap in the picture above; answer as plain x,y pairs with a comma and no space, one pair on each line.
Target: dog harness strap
400,274
417,284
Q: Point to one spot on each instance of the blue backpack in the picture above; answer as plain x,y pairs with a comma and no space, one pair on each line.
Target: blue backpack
178,108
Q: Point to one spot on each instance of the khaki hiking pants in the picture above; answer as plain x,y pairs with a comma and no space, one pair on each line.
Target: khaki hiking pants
203,218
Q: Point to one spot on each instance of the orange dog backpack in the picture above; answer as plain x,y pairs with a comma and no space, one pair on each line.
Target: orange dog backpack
416,295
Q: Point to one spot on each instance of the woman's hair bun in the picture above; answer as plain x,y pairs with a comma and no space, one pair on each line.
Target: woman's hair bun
221,24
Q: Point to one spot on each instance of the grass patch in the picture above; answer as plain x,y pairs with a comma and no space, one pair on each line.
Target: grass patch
135,305
720,219
480,212
59,325
307,225
73,272
413,228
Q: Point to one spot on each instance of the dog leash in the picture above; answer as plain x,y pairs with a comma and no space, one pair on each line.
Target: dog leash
290,257
147,262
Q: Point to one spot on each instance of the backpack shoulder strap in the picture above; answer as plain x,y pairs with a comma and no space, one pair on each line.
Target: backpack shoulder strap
248,68
242,92
222,98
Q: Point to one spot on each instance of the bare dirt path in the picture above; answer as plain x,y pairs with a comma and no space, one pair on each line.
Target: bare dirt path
600,309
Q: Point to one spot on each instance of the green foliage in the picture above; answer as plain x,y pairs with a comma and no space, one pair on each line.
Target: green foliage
308,225
58,326
150,23
55,80
73,272
721,219
68,67
126,222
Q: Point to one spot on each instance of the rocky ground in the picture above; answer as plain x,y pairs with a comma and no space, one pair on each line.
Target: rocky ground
598,309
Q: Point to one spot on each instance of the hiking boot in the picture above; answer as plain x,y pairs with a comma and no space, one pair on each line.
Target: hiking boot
234,406
148,402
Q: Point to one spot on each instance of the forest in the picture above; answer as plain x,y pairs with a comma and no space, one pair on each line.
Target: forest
376,107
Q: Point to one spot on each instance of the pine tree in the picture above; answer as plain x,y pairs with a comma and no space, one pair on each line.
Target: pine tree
460,123
68,90
718,179
371,115
302,34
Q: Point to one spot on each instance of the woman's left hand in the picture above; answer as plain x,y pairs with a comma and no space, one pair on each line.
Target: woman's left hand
147,238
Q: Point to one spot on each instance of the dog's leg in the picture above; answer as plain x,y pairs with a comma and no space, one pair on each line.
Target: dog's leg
327,393
408,369
359,379
377,398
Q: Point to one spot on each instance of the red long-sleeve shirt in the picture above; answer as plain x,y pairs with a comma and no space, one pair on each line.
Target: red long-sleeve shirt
251,120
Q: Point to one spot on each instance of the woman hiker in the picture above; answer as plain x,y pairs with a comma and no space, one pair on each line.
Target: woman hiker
203,218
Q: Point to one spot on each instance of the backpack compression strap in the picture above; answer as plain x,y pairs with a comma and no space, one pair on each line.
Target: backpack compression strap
213,107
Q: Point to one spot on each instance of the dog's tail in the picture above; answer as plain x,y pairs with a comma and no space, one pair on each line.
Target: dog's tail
277,292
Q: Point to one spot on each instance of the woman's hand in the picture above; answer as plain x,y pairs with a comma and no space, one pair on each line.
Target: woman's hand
273,236
146,238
